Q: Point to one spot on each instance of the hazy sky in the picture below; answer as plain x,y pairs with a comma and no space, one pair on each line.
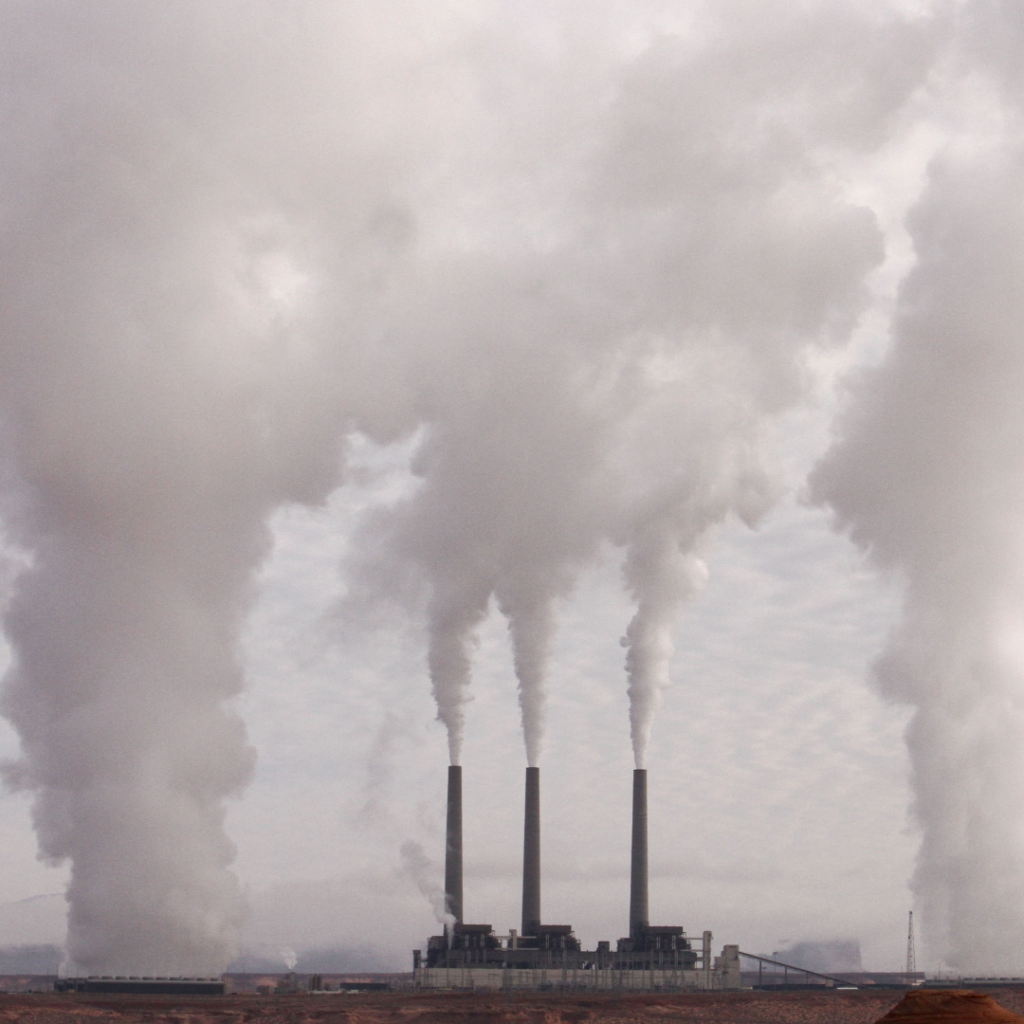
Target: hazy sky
778,777
384,385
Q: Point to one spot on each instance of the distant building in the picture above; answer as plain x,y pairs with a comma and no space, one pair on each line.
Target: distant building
142,986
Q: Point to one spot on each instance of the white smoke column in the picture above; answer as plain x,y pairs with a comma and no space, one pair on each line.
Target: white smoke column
928,477
164,385
531,629
619,301
661,577
418,867
451,643
663,568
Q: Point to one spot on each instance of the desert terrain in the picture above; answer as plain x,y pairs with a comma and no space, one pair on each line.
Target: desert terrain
794,1007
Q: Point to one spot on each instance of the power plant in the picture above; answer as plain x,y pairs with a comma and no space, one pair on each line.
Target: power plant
474,956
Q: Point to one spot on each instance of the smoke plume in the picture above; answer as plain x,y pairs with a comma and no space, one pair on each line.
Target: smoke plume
609,370
418,867
582,251
928,476
160,393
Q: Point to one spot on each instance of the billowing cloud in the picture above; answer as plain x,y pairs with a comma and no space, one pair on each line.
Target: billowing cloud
928,476
581,252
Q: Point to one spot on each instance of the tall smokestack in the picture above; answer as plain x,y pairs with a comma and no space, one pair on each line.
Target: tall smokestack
453,845
531,854
638,912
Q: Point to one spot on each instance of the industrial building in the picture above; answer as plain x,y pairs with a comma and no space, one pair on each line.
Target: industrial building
142,986
474,956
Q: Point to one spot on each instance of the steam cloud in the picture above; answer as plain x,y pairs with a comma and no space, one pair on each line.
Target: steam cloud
159,397
417,866
584,251
929,477
627,315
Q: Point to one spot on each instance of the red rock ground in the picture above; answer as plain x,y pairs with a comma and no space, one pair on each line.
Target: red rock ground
931,1006
862,1007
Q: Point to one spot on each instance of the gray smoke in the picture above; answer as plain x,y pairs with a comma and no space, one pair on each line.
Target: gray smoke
928,476
161,392
652,249
420,869
583,251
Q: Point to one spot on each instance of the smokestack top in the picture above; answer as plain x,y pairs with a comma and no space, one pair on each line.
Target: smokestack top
453,845
639,915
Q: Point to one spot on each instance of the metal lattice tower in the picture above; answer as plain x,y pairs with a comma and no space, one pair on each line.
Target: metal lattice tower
911,955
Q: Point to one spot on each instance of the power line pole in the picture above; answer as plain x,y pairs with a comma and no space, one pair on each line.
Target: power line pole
911,956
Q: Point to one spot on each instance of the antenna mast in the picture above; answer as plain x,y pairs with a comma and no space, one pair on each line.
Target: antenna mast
911,956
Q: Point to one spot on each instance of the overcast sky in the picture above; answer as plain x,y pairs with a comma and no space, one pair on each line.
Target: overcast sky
403,382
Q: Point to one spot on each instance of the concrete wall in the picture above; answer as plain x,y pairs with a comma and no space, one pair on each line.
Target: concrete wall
496,979
727,966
